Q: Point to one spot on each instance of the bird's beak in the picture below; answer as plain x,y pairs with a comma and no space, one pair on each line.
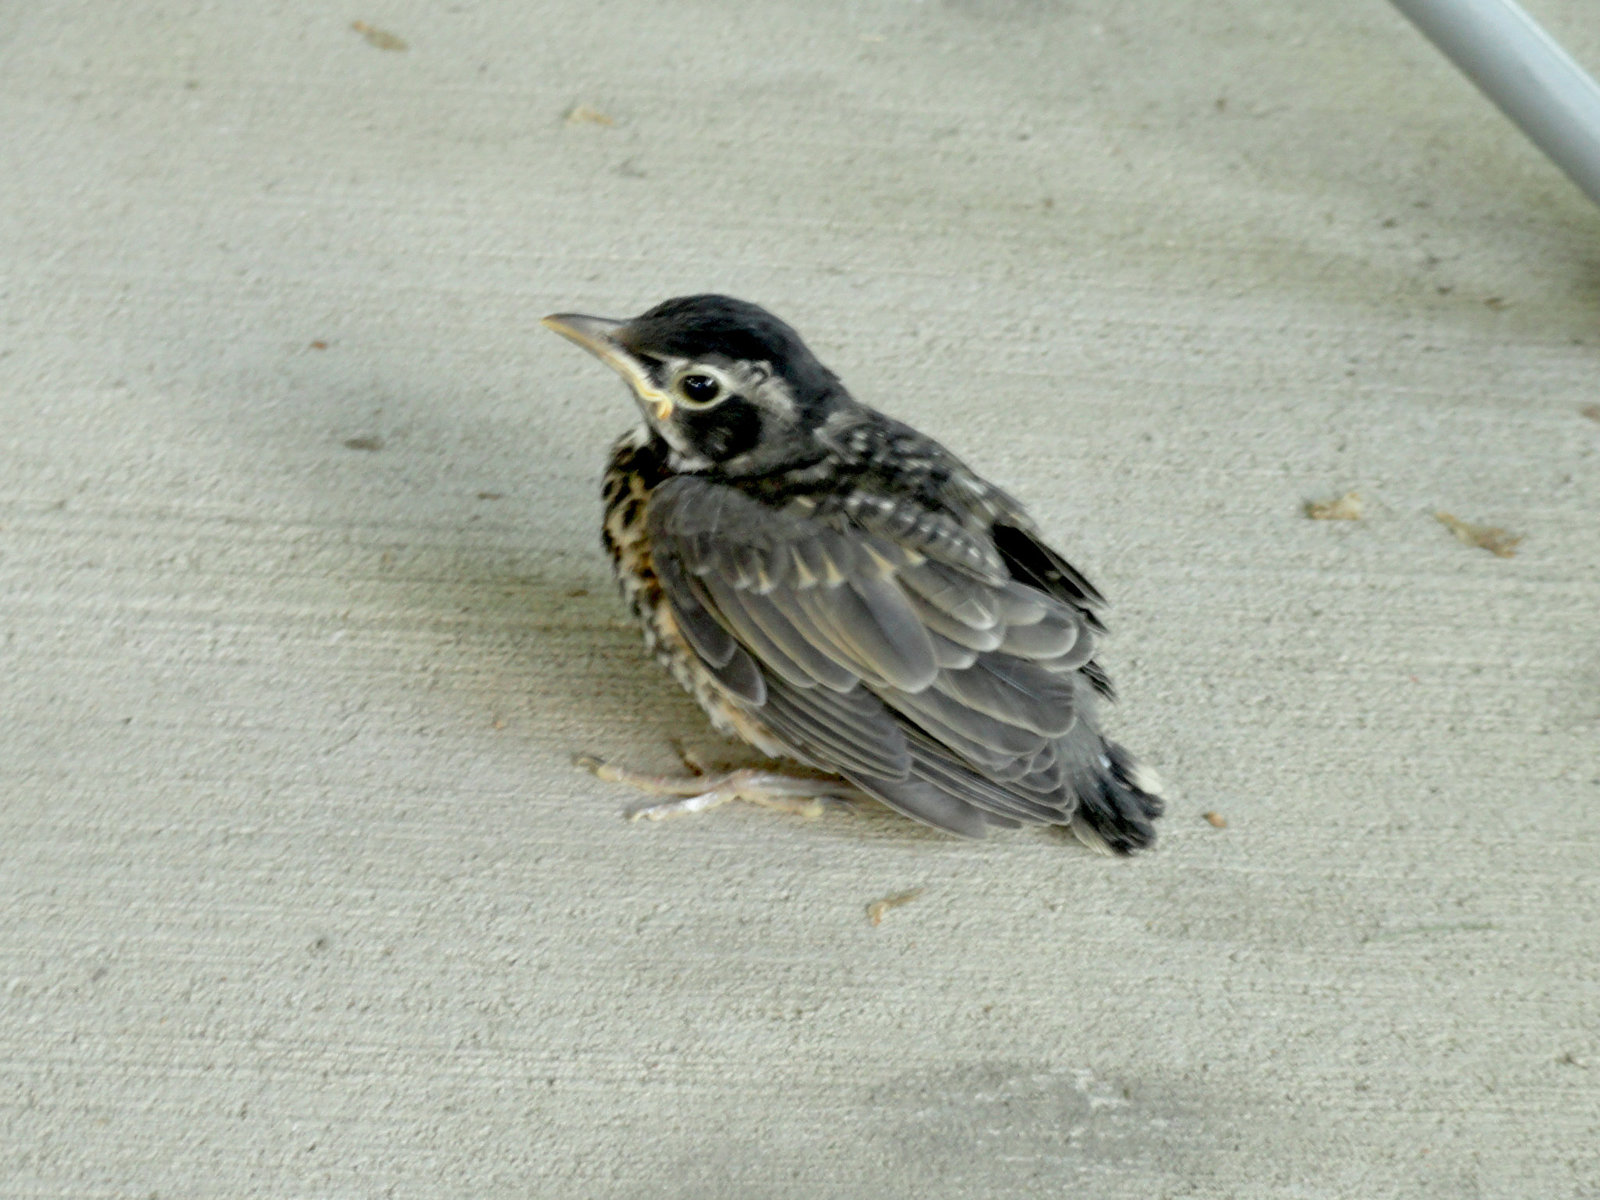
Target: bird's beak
598,335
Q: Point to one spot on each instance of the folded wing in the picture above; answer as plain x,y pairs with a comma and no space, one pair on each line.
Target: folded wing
947,689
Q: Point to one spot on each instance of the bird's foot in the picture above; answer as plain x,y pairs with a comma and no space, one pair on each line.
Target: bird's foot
805,796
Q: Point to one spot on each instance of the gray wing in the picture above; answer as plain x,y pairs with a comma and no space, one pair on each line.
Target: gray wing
952,693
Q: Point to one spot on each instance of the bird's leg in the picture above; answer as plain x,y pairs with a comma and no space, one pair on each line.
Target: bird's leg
801,795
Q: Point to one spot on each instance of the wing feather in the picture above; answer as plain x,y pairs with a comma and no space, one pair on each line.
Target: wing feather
1015,692
963,633
962,596
942,689
729,663
805,659
845,732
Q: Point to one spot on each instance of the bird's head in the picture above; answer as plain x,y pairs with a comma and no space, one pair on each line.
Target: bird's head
728,386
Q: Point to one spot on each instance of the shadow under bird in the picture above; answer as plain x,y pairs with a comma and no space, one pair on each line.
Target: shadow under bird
838,589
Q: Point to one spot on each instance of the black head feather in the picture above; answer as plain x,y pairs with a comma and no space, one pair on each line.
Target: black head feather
697,326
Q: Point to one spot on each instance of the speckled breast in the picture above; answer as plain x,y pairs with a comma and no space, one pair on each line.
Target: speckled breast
634,470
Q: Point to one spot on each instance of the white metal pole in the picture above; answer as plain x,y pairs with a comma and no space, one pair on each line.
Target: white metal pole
1525,72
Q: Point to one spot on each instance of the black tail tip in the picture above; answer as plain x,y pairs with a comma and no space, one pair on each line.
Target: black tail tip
1116,814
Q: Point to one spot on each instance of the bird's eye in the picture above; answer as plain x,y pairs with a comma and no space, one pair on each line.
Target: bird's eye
699,389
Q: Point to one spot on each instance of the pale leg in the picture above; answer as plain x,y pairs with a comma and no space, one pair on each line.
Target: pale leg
801,795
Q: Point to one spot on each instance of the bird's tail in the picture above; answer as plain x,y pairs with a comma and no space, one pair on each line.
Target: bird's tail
1117,801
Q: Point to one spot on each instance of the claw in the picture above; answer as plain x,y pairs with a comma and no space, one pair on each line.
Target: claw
691,760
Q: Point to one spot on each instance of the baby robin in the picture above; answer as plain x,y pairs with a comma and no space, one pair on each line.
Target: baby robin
838,589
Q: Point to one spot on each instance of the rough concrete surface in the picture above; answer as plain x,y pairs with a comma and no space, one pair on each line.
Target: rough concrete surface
302,612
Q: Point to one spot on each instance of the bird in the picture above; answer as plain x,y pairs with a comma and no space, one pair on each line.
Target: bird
840,591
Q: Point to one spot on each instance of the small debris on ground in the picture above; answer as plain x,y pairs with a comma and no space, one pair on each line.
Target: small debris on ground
363,443
381,38
1592,411
879,908
1347,507
1492,538
1216,819
582,114
1497,302
319,344
491,495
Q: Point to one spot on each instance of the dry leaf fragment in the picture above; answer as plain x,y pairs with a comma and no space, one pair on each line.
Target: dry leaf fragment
581,114
381,38
1216,819
1492,538
1347,507
877,909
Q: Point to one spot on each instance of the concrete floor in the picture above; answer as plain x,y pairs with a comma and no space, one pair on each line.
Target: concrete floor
302,612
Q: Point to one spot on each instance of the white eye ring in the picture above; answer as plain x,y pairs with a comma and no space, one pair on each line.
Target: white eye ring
698,388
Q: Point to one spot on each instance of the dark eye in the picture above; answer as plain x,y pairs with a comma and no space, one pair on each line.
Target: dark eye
699,389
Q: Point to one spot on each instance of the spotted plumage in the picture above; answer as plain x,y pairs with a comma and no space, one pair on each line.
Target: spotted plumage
837,588
633,471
